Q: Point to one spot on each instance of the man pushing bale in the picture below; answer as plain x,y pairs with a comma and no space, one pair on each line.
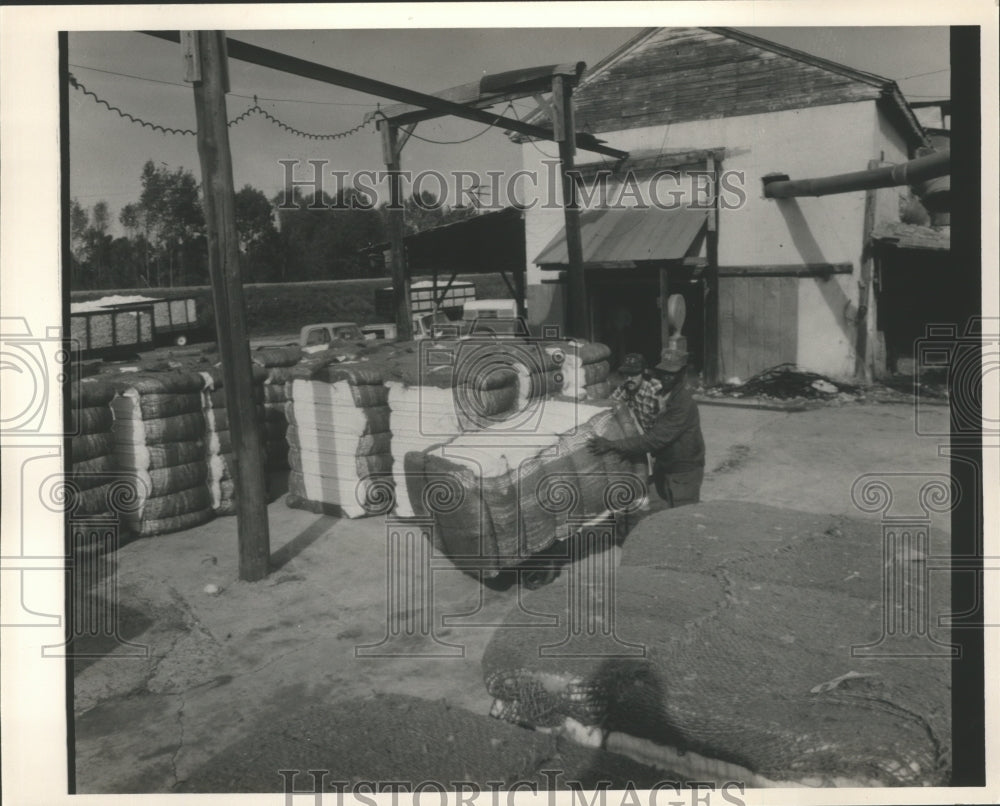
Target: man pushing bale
673,438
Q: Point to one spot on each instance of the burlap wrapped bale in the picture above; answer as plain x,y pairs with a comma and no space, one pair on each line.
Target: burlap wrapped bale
274,393
93,472
90,420
584,364
515,492
91,446
159,441
746,617
338,438
92,467
218,460
275,397
277,356
598,391
159,405
436,391
92,392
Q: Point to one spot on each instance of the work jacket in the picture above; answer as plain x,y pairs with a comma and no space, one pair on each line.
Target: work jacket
674,440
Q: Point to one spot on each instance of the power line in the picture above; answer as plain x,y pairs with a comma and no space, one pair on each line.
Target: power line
467,139
129,75
127,116
531,140
256,109
232,94
930,73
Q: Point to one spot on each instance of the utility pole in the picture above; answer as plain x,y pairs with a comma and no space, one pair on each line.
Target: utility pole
207,70
391,151
564,128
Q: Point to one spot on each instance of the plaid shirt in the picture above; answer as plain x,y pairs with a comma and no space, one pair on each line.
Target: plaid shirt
644,402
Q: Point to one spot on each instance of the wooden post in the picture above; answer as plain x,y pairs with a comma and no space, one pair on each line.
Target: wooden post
862,367
227,291
577,319
710,331
396,225
520,281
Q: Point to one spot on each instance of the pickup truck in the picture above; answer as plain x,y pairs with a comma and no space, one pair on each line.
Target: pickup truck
318,336
489,317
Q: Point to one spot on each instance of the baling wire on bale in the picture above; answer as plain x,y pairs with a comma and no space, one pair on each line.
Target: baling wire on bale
745,617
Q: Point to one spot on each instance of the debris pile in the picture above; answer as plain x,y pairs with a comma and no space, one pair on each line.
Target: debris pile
787,382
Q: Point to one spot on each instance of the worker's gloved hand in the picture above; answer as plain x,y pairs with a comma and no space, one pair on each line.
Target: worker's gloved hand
599,445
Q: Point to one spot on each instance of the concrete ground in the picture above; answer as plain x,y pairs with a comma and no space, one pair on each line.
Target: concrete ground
255,657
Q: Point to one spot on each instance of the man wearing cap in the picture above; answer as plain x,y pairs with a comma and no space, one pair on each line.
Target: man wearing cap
639,391
674,439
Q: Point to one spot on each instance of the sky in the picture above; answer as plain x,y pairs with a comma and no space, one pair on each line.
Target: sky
143,76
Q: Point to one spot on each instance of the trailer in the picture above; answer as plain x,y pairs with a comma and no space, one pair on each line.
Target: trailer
122,330
176,320
427,297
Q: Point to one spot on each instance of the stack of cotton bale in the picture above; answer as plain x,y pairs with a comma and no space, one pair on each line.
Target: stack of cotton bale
585,368
539,370
278,363
219,455
339,443
436,391
159,440
504,493
92,454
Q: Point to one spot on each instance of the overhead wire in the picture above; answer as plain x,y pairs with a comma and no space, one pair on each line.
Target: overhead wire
467,139
256,109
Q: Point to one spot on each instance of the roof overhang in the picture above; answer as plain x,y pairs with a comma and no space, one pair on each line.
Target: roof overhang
630,236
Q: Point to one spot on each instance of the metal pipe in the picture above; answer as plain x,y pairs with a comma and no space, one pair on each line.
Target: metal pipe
907,173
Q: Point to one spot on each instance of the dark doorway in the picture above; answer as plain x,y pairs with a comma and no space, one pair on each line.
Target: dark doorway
916,289
624,305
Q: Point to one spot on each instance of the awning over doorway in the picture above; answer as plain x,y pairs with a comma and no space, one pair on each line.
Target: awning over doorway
629,236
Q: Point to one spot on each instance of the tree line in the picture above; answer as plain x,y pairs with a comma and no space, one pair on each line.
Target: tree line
164,242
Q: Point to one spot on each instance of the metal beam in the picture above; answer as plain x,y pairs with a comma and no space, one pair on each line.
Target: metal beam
265,57
497,91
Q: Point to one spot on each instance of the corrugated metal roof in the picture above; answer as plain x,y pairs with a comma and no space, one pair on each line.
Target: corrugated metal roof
612,236
668,75
912,236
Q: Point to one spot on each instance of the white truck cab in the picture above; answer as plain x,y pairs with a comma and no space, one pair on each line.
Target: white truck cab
319,336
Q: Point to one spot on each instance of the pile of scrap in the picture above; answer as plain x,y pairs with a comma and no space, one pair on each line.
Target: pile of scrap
787,382
746,643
